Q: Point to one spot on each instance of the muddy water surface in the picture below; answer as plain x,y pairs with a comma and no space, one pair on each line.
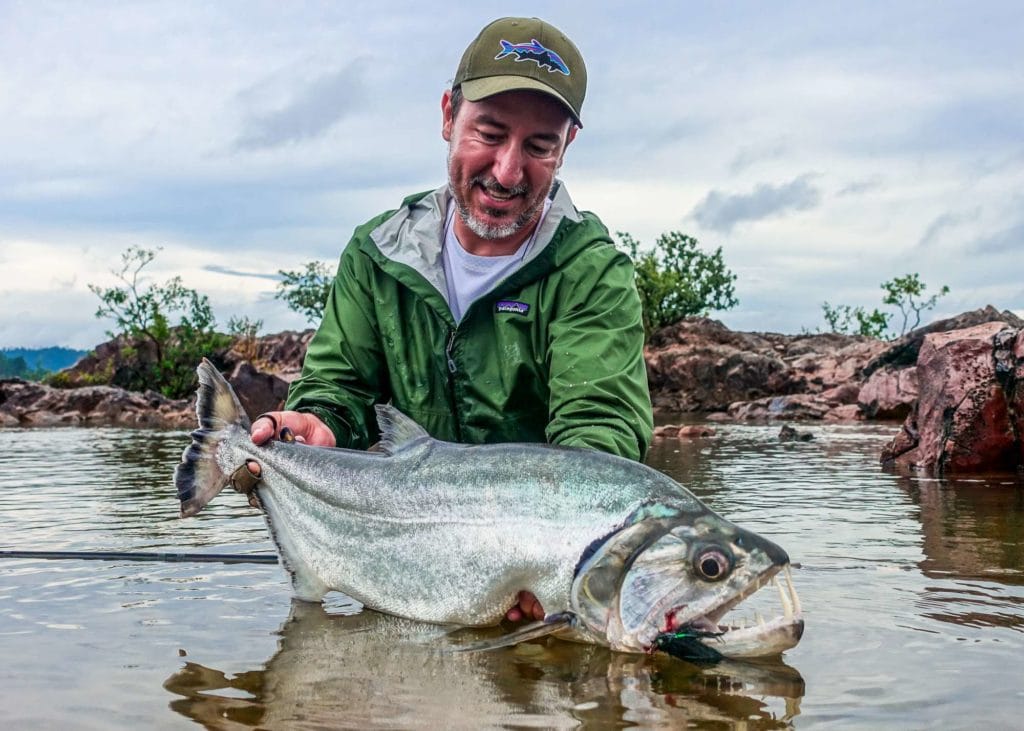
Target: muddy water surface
913,591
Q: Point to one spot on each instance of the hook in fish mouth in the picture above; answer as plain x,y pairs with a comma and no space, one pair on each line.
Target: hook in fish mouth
694,639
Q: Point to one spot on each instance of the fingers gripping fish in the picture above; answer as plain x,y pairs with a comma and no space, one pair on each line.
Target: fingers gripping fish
449,533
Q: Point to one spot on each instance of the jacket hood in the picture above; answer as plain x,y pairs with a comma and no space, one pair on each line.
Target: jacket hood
414,234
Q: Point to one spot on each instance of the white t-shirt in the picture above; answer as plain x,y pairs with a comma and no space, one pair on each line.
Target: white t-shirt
470,276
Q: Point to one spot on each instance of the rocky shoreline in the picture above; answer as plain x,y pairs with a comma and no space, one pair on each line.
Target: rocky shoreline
958,384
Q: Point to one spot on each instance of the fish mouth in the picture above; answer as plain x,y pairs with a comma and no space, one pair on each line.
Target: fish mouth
742,637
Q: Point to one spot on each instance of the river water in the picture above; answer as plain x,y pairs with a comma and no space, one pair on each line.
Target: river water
912,588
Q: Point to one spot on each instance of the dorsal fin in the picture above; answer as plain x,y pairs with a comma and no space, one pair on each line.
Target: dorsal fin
397,430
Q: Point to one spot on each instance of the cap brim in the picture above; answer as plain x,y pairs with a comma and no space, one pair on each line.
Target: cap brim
477,89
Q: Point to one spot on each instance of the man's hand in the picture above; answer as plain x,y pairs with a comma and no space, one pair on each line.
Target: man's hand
528,608
305,428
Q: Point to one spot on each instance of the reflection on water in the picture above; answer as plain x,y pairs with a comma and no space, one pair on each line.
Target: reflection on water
973,528
913,591
371,670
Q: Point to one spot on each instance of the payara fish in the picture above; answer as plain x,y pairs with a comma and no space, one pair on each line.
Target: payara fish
618,553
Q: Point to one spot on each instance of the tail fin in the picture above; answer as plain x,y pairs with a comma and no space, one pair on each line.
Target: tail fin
506,49
199,478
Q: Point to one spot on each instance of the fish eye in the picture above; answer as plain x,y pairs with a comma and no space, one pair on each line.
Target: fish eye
712,564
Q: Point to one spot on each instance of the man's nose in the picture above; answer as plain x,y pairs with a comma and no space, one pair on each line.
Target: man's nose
508,167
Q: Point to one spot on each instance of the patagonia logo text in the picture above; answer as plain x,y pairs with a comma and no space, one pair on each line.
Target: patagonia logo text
519,308
533,51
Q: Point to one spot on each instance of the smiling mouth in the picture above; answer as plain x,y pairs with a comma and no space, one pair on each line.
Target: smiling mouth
497,192
744,637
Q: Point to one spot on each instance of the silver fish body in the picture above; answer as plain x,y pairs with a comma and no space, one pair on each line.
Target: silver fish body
449,533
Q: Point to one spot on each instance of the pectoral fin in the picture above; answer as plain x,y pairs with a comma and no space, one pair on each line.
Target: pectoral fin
550,625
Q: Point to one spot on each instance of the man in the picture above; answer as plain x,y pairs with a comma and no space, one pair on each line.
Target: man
488,310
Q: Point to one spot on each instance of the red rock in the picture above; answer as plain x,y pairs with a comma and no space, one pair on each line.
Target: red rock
889,393
844,412
964,421
1016,394
666,431
693,430
698,364
797,407
674,431
258,391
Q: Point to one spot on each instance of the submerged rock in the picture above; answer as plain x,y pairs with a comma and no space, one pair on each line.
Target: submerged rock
789,434
686,431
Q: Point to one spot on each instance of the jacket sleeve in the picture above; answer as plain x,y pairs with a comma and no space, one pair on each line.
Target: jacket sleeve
341,375
597,376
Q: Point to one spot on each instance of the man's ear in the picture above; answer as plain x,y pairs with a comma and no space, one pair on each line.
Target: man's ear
573,129
446,116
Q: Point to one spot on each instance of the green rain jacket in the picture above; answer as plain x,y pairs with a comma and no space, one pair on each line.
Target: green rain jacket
553,354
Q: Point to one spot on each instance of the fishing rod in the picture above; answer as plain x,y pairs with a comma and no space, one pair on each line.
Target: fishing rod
261,558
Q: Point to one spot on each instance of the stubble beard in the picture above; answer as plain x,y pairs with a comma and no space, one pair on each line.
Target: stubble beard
495,231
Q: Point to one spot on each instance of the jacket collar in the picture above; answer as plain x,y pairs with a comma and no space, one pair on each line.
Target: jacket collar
414,235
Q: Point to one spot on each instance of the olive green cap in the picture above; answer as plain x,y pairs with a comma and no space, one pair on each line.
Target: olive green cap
512,54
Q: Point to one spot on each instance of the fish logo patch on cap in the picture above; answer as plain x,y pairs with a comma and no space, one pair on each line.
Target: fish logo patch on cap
533,51
518,308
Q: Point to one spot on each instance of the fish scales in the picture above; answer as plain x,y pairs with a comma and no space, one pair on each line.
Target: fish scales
526,512
619,553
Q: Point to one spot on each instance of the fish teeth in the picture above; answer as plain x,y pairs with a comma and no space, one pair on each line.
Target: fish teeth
787,606
792,591
760,619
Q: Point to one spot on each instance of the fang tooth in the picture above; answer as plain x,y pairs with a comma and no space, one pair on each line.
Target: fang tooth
792,591
760,619
787,606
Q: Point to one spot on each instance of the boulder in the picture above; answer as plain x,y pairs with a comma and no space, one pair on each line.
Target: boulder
903,351
280,354
969,414
23,403
889,393
686,431
789,434
796,407
258,391
698,364
260,370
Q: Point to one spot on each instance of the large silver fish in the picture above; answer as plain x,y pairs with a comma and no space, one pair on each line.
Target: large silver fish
618,553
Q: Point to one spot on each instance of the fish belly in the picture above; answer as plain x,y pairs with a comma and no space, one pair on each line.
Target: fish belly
442,533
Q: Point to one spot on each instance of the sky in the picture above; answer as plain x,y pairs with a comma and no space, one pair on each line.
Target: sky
826,147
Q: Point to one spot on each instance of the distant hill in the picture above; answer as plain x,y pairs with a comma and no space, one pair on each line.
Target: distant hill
36,359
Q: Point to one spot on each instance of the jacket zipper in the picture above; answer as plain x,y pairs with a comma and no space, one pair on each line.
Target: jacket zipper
452,368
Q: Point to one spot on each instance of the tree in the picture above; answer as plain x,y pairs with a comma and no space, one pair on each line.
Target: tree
904,292
142,313
305,291
17,367
677,279
244,331
841,319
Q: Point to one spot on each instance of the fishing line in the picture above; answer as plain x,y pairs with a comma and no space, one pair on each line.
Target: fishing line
262,558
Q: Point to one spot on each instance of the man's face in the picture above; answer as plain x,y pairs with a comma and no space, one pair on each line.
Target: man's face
503,154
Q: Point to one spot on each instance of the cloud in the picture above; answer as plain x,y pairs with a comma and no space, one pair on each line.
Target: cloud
860,186
721,211
218,269
944,222
749,156
1010,239
309,113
